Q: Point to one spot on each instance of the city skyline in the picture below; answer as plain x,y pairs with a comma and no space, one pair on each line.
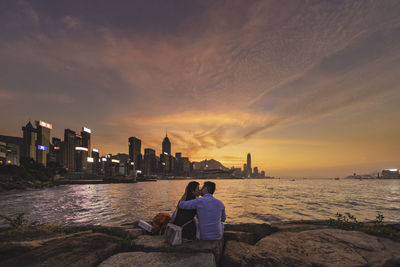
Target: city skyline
76,157
30,146
310,89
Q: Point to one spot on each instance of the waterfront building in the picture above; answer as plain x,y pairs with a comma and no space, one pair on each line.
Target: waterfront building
81,159
182,165
150,166
68,150
77,140
3,151
13,153
236,172
54,154
178,164
96,161
164,163
120,164
111,166
29,141
167,163
186,166
42,141
12,149
141,163
249,173
80,153
86,133
158,163
9,152
135,152
262,174
255,172
390,174
172,164
245,170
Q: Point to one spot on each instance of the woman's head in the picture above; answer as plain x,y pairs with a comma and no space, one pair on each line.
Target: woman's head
192,190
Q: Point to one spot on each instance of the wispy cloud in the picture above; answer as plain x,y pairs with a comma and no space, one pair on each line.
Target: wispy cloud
235,71
6,95
70,22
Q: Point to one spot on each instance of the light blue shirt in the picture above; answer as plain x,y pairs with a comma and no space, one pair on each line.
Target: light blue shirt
211,213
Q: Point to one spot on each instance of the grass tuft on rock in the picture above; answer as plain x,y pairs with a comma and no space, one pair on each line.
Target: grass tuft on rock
377,227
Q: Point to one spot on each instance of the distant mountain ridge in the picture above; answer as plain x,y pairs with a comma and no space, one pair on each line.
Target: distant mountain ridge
210,164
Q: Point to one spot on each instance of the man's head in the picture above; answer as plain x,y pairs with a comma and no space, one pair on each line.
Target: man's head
208,188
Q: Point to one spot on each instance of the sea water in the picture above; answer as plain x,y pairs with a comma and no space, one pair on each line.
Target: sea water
250,200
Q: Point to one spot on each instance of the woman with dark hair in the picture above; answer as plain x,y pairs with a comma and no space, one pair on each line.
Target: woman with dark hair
184,216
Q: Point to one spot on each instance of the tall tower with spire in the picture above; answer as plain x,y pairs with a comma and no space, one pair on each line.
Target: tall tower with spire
166,145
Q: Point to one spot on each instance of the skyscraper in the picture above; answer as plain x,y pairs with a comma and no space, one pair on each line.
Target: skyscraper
255,172
166,145
248,165
42,141
29,141
134,152
149,161
55,152
85,133
68,152
96,158
81,156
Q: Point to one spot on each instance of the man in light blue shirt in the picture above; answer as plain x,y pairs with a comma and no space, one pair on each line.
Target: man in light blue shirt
211,212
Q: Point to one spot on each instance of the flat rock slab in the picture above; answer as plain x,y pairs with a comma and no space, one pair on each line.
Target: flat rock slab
324,247
160,259
151,243
241,254
83,250
259,230
244,237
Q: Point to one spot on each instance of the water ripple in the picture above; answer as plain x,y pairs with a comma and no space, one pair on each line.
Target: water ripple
245,201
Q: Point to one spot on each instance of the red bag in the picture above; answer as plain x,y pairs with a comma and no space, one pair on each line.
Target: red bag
160,222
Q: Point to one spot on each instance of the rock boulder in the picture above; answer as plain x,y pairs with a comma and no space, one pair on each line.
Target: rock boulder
83,250
259,230
160,259
244,237
149,243
323,247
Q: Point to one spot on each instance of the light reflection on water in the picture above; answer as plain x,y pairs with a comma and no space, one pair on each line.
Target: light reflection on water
245,200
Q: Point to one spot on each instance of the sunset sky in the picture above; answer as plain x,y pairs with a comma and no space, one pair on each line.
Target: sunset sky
310,88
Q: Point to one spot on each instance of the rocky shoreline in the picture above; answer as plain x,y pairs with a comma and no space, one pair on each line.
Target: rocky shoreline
286,244
23,184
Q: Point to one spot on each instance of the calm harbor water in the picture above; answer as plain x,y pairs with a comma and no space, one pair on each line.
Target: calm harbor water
245,200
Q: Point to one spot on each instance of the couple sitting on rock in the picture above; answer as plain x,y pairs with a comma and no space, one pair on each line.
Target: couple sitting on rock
209,210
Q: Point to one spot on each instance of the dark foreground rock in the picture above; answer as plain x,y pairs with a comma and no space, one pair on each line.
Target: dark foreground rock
87,249
245,237
158,244
324,247
255,230
160,259
286,244
22,184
